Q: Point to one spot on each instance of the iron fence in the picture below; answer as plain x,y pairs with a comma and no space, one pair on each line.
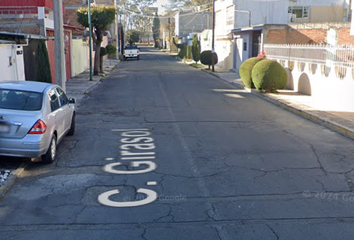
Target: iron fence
337,56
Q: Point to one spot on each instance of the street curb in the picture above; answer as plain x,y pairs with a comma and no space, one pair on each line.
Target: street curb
12,179
323,121
312,117
98,81
88,91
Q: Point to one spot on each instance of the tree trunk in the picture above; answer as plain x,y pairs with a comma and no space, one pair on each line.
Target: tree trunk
99,38
101,64
97,59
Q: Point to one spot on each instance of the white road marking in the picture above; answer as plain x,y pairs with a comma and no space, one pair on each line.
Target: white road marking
151,183
135,139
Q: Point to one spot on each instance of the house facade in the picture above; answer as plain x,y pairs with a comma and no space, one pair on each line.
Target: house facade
35,17
312,11
239,24
12,57
69,16
189,22
31,17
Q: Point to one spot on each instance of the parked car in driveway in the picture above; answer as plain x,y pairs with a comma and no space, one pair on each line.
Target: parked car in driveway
34,118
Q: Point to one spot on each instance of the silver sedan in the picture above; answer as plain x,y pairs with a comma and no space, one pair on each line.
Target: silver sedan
34,118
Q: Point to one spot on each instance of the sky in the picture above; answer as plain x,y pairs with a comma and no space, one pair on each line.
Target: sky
159,4
169,3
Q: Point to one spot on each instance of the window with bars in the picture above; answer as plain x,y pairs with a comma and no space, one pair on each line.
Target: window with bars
299,12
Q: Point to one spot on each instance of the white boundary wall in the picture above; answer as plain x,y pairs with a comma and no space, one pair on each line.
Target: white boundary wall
12,63
331,83
80,56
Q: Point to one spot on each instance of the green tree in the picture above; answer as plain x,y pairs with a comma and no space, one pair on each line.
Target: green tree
42,63
156,30
189,52
101,18
132,36
196,48
182,51
111,50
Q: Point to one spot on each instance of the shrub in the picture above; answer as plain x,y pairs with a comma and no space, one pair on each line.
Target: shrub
43,73
196,48
205,58
103,51
189,52
182,51
269,75
246,71
111,50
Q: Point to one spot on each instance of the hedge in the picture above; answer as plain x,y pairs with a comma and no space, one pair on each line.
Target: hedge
269,75
246,71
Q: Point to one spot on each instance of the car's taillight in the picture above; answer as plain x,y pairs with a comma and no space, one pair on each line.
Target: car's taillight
123,51
38,128
138,51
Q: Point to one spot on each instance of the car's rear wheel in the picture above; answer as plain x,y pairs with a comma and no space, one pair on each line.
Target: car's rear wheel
138,58
49,156
72,126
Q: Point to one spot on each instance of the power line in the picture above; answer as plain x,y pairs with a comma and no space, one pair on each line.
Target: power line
163,17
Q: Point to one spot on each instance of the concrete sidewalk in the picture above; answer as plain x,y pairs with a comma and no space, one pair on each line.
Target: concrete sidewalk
80,85
300,104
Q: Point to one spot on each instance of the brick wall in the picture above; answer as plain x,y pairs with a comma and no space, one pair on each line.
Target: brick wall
70,18
306,33
25,28
344,37
293,36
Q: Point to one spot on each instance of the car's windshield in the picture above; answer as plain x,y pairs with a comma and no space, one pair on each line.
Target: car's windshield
131,47
20,100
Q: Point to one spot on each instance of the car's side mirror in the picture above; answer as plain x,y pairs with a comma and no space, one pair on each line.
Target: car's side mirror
72,100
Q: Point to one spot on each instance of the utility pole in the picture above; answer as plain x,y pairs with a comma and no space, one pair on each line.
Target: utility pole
169,33
90,38
213,40
116,31
60,73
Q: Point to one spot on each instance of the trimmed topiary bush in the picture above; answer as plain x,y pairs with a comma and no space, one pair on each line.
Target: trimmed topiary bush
205,58
269,75
246,71
111,50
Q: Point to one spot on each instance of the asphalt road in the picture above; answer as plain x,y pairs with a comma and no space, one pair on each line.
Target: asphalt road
192,157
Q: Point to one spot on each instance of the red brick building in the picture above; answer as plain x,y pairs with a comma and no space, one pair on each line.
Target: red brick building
32,16
70,18
35,17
